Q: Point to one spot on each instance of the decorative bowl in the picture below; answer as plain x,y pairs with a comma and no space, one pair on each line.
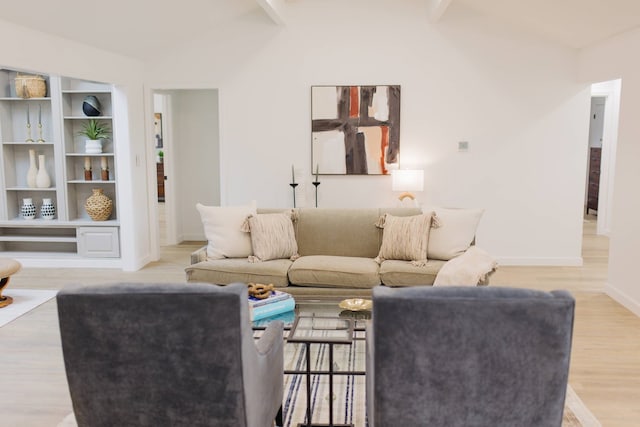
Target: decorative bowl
356,304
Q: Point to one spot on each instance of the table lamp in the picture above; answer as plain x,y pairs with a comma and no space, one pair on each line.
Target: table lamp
406,181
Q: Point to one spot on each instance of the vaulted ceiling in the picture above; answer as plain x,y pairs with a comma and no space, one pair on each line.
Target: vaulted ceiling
142,28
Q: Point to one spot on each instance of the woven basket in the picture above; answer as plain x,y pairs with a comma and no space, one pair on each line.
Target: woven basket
98,206
30,86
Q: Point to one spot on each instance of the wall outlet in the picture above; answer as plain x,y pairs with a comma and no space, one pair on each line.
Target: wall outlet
463,146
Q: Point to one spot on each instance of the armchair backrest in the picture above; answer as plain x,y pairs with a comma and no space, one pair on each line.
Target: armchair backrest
156,354
469,356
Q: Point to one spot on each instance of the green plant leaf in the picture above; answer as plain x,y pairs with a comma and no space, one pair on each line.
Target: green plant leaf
93,129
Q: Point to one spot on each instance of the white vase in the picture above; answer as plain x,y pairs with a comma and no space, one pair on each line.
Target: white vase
33,170
28,209
47,210
42,178
93,146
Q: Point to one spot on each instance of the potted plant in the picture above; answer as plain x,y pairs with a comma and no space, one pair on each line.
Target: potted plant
95,132
160,156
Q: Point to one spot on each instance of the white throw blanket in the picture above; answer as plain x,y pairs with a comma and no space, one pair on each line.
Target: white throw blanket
467,269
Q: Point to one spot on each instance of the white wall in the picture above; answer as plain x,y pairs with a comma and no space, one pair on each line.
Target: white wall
30,50
614,59
513,97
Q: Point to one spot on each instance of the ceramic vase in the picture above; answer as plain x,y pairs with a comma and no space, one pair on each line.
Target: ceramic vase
28,209
47,210
98,206
33,170
93,146
42,178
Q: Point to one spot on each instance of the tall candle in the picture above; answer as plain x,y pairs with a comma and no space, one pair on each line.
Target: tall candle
28,122
293,176
317,166
103,163
87,163
39,114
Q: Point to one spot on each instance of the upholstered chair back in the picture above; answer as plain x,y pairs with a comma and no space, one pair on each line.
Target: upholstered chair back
168,355
468,356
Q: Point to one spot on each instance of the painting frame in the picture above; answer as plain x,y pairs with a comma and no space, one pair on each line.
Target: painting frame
355,129
157,129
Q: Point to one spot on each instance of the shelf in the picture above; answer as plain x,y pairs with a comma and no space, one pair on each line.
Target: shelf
43,239
89,155
94,181
86,91
55,223
31,144
11,98
30,189
88,117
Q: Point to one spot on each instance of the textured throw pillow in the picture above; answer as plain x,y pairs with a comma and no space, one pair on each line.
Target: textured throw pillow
222,228
455,233
405,238
272,236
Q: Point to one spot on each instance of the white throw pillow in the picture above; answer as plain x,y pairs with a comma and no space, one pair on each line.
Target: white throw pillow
222,227
455,233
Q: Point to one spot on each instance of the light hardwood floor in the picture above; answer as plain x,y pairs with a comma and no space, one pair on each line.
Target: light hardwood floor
605,363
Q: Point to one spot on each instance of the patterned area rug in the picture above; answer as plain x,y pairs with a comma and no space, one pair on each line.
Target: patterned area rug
349,390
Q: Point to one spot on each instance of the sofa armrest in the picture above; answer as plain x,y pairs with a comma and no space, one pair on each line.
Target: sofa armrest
199,255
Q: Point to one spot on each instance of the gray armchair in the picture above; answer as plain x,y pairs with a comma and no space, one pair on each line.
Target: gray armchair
468,356
169,355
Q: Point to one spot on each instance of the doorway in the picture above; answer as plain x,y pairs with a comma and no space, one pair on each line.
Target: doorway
188,139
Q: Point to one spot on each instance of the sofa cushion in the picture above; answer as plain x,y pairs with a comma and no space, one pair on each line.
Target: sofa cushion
272,236
405,238
225,271
455,233
403,273
222,228
334,271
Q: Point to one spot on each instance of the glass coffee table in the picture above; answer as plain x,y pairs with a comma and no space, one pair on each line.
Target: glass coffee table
322,341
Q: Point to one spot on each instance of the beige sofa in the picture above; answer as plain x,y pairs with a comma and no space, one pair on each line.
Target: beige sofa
337,249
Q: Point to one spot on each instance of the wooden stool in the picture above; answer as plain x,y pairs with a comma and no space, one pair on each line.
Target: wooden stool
8,266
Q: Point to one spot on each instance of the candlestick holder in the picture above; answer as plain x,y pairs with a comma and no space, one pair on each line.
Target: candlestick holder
29,139
40,138
293,186
315,184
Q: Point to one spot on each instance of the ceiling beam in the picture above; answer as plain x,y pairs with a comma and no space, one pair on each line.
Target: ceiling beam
438,9
273,8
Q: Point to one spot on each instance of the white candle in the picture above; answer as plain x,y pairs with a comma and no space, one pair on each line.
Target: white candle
317,167
39,114
293,176
28,122
87,163
103,163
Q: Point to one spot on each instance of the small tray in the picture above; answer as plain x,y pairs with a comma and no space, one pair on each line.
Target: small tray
356,304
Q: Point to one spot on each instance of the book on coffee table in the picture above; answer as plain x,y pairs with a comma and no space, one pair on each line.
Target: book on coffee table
279,302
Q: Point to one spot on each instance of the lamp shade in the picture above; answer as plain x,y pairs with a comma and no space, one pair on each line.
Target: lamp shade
407,180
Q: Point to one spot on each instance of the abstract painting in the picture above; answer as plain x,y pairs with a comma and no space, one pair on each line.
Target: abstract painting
355,130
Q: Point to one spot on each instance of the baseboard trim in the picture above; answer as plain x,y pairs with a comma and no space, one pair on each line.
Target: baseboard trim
540,262
622,298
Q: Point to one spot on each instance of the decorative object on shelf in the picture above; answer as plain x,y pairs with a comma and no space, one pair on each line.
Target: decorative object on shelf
42,178
28,139
47,210
33,169
28,209
160,156
91,106
316,183
355,130
40,138
98,205
87,169
30,86
104,169
95,132
293,185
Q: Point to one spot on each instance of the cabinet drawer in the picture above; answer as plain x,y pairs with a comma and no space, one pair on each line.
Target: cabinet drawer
98,242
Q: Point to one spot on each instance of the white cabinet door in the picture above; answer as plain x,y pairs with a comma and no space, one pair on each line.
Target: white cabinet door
98,242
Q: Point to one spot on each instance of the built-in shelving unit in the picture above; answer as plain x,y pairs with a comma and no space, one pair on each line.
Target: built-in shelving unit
50,126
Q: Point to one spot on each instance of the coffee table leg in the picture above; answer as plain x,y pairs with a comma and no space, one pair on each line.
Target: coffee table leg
308,384
330,384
